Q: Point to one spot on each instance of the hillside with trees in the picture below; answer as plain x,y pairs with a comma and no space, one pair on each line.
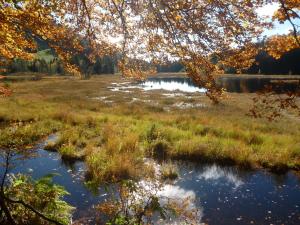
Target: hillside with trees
46,61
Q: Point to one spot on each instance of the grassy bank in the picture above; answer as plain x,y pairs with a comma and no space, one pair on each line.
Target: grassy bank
114,130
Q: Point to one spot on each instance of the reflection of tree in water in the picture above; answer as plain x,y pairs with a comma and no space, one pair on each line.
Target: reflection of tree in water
250,84
150,197
235,83
149,202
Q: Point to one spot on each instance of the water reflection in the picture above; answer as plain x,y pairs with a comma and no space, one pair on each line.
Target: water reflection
171,84
222,195
239,84
232,196
71,176
185,199
217,174
252,84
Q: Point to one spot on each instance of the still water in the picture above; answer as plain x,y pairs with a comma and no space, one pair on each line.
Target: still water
231,84
171,84
223,195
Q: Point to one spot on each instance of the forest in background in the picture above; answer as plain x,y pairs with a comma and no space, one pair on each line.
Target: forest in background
47,62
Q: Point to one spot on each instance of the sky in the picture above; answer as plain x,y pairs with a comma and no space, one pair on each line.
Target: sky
278,28
266,11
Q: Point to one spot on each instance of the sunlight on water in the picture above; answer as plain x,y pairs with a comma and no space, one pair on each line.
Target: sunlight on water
184,198
171,85
219,194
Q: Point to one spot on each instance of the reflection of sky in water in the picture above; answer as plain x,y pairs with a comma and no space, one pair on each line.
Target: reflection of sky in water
207,175
223,195
71,176
174,193
179,195
167,84
171,86
229,195
215,173
176,84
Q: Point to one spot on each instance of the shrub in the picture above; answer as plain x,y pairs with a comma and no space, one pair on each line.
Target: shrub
46,199
169,171
70,152
158,149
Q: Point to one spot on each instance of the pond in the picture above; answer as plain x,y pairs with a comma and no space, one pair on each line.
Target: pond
239,84
232,196
223,194
171,84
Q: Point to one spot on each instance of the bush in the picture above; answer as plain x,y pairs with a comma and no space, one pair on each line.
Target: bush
169,171
46,198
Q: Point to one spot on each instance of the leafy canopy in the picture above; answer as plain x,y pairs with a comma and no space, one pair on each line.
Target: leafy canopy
151,30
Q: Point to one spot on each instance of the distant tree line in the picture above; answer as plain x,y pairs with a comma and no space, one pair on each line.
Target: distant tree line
170,67
289,63
47,62
102,65
53,66
264,64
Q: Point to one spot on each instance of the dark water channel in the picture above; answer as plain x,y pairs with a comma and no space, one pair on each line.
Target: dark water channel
239,84
223,195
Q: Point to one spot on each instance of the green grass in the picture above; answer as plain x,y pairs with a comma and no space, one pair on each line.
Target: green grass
169,171
113,138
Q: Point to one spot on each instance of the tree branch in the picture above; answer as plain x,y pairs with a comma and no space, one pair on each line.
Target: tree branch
286,11
33,210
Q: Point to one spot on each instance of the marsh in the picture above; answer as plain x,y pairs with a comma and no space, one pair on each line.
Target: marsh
223,156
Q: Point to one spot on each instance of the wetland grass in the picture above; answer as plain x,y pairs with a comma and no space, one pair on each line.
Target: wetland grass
113,138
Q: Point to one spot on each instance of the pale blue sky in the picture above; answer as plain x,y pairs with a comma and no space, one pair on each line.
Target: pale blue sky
279,29
268,11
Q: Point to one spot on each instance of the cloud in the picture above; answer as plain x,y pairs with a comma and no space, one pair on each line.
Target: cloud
268,10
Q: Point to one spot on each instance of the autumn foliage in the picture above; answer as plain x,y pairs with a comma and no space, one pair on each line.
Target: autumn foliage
280,44
4,91
151,30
